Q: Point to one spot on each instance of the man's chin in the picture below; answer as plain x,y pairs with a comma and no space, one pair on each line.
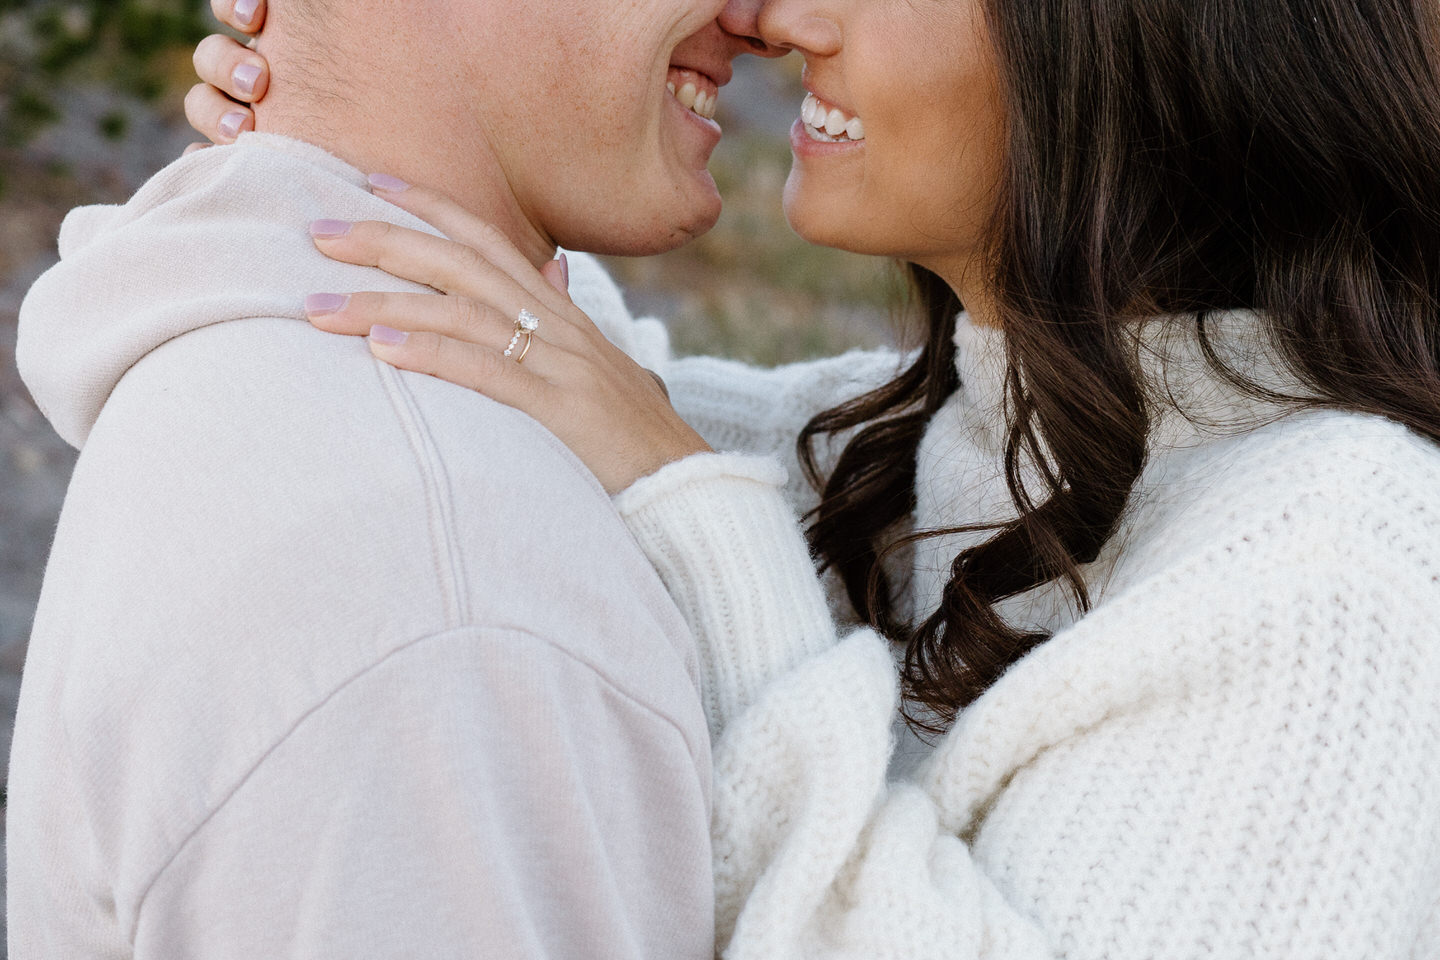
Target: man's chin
694,229
658,232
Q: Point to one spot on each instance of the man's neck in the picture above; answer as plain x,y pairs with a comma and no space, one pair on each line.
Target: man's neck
412,145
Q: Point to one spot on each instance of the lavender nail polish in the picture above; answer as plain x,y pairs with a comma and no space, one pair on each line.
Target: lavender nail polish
323,304
244,78
383,181
388,336
230,125
245,11
330,229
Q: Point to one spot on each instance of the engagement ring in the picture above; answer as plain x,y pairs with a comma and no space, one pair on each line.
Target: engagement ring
525,325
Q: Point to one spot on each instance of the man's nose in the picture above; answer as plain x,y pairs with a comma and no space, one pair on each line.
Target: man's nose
741,18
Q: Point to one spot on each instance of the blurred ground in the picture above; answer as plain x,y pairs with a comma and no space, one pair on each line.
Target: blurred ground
750,289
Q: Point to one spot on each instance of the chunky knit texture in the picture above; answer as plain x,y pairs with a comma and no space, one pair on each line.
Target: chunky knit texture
1232,755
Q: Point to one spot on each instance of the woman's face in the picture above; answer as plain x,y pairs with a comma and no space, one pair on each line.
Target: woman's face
899,148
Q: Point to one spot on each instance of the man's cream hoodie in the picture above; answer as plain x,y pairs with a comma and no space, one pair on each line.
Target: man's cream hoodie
331,660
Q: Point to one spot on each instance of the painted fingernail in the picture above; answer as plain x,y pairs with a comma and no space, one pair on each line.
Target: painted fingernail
244,78
330,229
245,11
383,181
565,269
324,304
388,336
230,124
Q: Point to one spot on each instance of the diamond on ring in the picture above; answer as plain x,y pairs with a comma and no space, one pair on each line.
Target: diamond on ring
525,325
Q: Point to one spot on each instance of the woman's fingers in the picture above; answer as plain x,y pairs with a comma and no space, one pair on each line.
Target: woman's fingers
457,317
459,224
436,262
247,16
610,412
469,365
238,72
215,115
231,75
557,274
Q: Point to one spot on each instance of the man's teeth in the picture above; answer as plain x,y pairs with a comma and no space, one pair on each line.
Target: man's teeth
694,97
829,124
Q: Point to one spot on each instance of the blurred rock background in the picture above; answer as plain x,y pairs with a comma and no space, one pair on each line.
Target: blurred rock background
90,107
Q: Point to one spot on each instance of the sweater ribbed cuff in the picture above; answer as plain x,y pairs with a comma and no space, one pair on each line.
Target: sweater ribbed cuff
732,555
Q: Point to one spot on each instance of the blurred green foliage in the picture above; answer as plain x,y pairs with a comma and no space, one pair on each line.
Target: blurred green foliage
46,45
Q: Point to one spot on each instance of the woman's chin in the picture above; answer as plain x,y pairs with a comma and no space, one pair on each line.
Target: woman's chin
822,226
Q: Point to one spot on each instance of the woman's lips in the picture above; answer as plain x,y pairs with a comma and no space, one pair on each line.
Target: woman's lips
804,143
826,123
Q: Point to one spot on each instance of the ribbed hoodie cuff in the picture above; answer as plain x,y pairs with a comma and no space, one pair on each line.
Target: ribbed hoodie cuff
731,553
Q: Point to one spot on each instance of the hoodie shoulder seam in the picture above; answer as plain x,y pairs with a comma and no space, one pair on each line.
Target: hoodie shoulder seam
439,502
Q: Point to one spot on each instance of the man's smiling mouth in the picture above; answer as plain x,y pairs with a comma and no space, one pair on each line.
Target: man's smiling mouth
695,91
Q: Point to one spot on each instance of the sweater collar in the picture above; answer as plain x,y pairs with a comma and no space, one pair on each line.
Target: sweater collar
1188,400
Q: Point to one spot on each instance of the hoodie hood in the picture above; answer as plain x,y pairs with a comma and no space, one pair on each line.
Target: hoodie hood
220,235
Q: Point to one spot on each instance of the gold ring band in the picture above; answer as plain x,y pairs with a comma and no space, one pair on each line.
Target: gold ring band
527,323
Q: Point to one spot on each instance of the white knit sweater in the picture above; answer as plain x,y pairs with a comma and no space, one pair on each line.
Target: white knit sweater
1235,754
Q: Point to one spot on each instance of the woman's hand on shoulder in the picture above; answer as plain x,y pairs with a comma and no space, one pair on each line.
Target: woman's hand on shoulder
556,365
232,76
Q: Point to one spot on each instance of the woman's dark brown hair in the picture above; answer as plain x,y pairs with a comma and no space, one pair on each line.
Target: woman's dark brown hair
1164,158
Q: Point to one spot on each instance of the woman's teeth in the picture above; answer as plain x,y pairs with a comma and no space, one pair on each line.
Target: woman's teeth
695,91
829,124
